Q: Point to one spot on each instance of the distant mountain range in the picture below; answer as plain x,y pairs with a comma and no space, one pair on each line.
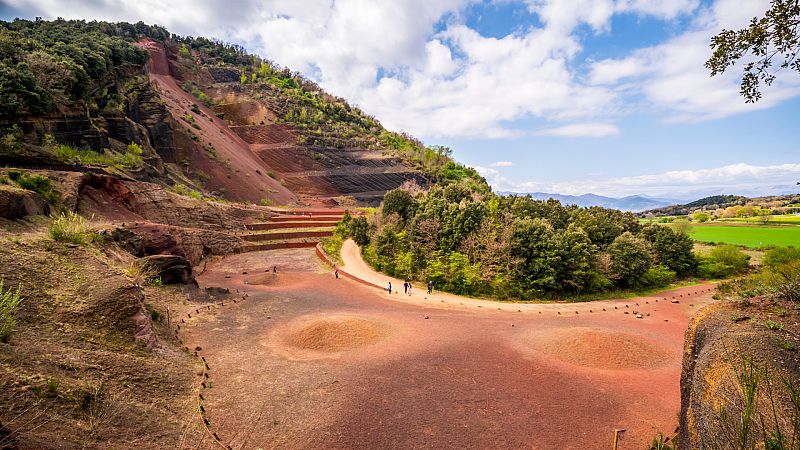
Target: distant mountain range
633,203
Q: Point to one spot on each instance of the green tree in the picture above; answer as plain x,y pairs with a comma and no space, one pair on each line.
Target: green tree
701,217
673,249
630,259
400,202
579,255
359,230
770,41
534,242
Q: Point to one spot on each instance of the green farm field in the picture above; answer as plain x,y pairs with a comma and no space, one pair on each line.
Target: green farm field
773,220
748,236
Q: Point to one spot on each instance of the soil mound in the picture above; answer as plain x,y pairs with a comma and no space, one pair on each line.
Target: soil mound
601,349
335,334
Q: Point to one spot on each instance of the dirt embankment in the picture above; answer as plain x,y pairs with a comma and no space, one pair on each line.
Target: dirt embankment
727,344
92,363
213,152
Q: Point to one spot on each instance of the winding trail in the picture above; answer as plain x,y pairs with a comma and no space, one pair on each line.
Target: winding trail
309,361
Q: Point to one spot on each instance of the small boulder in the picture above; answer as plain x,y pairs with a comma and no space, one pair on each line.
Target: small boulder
16,203
215,291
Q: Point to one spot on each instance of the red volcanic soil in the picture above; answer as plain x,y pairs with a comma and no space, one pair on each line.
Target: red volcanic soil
309,361
247,175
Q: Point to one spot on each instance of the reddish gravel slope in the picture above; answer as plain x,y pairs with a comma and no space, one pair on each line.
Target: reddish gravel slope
236,168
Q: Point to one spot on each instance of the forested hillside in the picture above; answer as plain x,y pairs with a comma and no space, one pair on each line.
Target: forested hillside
82,93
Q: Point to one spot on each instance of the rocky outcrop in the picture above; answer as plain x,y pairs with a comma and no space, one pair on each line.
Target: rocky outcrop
727,343
147,202
16,203
170,268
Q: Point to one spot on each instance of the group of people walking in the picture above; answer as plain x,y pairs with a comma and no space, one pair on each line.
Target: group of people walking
406,284
407,287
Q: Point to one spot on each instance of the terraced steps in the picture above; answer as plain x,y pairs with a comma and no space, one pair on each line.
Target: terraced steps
306,218
297,228
296,224
277,246
261,237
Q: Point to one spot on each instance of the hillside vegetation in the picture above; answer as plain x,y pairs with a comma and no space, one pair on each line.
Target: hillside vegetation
467,240
77,93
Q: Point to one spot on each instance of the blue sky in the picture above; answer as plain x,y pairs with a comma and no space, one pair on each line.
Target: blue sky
566,96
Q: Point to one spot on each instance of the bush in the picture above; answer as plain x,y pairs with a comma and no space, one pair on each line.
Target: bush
36,183
630,259
333,247
659,276
711,269
9,305
730,255
781,255
70,228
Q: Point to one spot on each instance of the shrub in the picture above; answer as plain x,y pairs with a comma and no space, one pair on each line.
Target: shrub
70,228
659,276
333,247
730,255
711,269
773,326
9,305
781,255
132,158
36,183
630,259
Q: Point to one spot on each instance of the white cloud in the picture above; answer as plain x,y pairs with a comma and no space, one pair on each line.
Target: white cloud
581,130
416,66
502,164
451,82
738,178
672,78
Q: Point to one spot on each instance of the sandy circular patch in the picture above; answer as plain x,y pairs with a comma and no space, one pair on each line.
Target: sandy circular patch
597,348
330,335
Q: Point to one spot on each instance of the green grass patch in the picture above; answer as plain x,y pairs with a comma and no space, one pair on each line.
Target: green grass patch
748,236
9,305
182,189
70,228
131,159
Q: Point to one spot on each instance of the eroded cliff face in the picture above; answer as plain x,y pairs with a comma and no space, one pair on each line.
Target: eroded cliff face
733,348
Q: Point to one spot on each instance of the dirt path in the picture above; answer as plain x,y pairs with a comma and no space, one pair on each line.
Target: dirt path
309,361
355,265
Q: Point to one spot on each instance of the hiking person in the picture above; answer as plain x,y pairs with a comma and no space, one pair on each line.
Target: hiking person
409,287
274,270
336,272
405,287
390,287
430,287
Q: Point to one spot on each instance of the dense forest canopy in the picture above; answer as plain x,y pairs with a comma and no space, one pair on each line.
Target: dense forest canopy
47,66
467,240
